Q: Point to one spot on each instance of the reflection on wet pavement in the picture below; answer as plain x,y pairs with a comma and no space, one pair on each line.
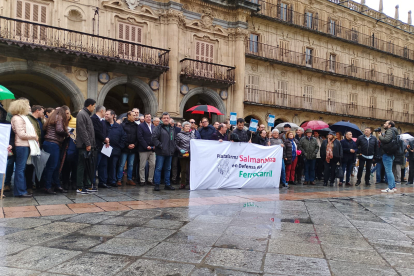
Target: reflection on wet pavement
133,231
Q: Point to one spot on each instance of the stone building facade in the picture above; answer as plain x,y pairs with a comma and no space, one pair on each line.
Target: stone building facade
300,60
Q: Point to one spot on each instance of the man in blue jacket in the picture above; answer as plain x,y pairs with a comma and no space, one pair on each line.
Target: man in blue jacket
207,130
117,138
349,157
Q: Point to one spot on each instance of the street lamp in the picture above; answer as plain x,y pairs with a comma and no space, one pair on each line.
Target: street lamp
125,98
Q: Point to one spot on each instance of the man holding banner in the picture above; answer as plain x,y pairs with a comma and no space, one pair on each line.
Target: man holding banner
243,136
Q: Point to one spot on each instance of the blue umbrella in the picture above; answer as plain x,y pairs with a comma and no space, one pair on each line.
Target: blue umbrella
343,127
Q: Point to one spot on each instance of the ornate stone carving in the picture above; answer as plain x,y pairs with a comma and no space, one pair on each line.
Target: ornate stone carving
283,74
333,83
132,4
354,87
81,74
239,33
254,67
174,16
309,78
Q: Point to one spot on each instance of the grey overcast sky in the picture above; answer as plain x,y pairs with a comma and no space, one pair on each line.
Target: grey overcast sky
389,7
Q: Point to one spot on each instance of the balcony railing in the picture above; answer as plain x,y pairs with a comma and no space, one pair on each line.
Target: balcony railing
206,71
328,106
331,28
33,35
271,53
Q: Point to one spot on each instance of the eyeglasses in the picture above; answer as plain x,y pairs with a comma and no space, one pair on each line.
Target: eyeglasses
204,122
192,122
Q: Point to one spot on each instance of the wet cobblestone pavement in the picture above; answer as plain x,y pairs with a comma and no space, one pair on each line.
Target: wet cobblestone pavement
306,230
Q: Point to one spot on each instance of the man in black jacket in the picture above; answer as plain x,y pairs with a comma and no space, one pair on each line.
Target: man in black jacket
130,149
117,137
350,149
146,150
100,131
85,141
163,138
367,147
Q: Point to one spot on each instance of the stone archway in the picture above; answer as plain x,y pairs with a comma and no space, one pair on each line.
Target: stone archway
210,96
58,79
143,90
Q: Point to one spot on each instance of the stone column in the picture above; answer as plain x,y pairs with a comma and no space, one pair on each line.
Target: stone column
173,19
240,63
92,85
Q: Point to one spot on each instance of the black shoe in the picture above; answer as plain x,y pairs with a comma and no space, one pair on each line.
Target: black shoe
156,187
358,183
142,183
113,185
92,189
174,182
409,183
50,191
331,184
60,190
150,183
102,186
82,191
325,184
366,184
169,187
26,195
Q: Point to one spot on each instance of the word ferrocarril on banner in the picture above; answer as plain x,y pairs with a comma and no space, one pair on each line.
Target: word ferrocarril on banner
226,165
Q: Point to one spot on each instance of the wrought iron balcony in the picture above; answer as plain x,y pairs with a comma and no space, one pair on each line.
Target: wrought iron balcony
33,35
327,106
278,55
311,22
199,72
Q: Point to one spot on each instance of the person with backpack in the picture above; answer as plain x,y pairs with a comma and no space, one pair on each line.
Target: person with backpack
389,144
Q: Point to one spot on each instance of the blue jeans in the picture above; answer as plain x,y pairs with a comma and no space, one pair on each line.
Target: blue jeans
102,167
126,157
283,173
387,160
9,170
22,153
51,171
162,163
347,166
310,170
112,161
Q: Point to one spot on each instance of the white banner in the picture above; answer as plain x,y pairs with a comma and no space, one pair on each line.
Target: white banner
4,143
217,165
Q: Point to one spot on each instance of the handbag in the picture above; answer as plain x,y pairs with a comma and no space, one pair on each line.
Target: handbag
339,173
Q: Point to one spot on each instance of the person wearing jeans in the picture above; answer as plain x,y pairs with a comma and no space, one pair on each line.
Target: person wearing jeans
56,131
23,134
310,149
388,147
130,148
163,138
350,149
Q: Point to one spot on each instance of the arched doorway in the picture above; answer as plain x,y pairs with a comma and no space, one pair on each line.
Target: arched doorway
201,95
249,118
40,84
113,99
139,93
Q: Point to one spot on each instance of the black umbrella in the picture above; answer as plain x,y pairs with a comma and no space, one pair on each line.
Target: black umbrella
343,127
323,131
39,162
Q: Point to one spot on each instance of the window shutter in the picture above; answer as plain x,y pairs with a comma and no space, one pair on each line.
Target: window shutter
27,11
204,51
316,21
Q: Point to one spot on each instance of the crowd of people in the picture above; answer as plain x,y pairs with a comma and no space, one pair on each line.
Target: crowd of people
96,149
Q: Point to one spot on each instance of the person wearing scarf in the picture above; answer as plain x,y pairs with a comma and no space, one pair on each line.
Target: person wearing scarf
289,155
26,144
331,152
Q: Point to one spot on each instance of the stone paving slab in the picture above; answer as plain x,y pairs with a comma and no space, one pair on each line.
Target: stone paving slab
301,231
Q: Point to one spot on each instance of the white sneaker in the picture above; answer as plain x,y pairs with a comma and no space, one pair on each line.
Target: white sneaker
388,190
398,183
394,190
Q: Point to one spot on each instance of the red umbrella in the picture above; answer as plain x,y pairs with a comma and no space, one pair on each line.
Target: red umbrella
315,125
201,109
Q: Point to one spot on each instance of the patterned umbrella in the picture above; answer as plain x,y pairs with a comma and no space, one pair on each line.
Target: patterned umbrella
314,125
201,109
